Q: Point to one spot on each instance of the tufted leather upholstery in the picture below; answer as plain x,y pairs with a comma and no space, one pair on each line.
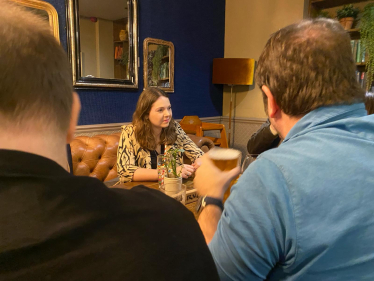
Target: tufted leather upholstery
97,156
204,144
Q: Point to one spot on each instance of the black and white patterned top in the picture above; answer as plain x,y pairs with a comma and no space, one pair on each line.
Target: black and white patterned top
130,156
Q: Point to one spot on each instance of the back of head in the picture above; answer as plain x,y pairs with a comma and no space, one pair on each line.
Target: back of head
308,65
35,79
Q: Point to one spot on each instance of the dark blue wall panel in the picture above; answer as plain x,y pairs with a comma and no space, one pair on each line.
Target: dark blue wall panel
197,30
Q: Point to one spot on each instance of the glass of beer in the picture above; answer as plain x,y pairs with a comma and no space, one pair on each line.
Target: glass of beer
225,159
178,194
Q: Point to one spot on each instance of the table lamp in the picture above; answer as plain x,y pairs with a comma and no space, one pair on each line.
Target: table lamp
233,72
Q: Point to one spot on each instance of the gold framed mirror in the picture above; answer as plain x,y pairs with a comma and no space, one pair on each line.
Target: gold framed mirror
158,64
103,43
44,10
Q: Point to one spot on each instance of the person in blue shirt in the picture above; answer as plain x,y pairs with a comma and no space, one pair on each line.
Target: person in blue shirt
305,210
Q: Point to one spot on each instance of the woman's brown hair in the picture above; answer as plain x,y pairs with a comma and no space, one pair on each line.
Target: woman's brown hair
142,125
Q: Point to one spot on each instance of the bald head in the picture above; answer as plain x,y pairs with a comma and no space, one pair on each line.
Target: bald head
307,65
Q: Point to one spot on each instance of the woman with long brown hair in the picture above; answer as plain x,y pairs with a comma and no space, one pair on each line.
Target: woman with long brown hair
153,131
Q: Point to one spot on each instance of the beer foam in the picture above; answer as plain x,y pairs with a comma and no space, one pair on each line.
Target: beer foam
224,153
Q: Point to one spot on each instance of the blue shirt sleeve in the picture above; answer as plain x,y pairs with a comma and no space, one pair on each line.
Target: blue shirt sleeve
256,232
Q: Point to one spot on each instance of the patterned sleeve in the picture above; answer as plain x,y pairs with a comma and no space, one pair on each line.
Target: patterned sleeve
126,165
190,148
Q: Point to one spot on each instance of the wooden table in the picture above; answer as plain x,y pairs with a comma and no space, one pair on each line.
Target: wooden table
191,195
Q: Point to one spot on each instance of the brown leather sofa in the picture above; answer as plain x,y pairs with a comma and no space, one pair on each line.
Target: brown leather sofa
97,156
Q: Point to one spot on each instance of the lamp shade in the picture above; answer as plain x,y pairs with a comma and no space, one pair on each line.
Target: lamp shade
233,71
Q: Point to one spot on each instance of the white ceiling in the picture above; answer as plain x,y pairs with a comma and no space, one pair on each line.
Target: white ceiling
104,9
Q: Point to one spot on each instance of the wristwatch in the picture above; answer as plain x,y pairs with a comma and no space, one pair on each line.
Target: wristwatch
206,200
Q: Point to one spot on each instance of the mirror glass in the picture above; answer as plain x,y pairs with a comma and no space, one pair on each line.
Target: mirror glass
103,50
159,64
104,40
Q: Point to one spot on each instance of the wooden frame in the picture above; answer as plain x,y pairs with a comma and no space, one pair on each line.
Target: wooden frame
170,79
45,6
325,4
74,50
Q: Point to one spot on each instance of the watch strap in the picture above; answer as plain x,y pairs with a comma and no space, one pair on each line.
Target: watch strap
212,201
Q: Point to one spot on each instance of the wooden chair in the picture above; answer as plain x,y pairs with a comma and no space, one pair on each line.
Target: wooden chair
193,125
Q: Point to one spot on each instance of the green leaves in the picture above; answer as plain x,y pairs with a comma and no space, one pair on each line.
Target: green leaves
367,40
124,60
348,11
173,155
157,61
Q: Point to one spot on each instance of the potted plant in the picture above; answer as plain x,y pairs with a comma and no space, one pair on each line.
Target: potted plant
367,41
347,15
173,179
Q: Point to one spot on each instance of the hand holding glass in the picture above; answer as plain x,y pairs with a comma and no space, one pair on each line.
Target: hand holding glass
225,159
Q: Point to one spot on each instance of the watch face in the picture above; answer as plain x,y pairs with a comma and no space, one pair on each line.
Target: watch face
199,203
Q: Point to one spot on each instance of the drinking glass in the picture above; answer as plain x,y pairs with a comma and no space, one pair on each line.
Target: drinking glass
178,194
225,159
249,158
162,161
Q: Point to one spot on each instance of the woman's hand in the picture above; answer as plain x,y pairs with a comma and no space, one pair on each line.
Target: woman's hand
197,163
187,170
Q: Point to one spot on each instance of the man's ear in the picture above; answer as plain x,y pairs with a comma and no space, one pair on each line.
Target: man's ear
75,110
273,107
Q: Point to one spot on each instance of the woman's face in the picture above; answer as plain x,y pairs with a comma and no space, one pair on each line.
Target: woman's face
160,113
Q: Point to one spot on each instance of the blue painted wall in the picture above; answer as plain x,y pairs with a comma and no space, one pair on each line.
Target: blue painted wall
197,30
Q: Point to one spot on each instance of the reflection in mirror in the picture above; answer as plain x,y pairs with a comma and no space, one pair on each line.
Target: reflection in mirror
159,64
104,39
45,10
104,50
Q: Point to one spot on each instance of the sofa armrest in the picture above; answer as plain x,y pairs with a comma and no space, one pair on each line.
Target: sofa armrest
203,143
